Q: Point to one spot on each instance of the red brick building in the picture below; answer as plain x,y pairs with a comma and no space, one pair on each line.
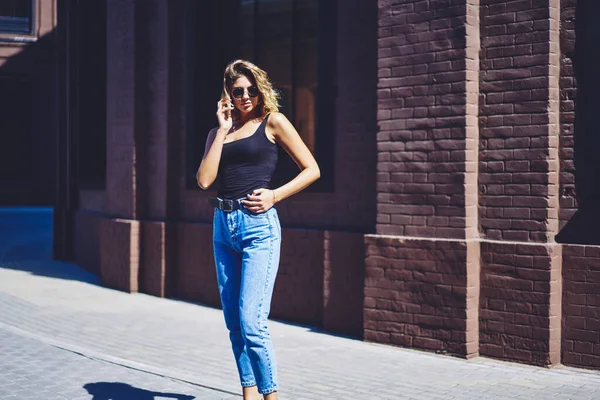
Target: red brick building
456,210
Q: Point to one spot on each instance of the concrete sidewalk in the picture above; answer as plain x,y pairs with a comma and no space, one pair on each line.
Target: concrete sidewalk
64,336
60,307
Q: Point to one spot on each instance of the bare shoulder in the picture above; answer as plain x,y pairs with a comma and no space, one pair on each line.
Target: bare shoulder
279,125
277,120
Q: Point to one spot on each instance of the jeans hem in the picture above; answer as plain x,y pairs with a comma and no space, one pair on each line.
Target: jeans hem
248,384
268,390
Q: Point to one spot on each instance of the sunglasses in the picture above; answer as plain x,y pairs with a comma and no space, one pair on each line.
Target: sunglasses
238,92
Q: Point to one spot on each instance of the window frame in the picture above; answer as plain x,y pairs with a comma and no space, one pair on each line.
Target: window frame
8,35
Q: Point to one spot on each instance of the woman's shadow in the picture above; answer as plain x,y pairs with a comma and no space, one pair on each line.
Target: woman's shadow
123,391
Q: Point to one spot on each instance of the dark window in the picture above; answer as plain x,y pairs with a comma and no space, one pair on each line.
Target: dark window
293,40
16,16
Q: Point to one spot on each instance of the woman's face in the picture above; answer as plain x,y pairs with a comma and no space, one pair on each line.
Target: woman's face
245,95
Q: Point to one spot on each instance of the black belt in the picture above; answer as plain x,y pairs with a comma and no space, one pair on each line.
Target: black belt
225,205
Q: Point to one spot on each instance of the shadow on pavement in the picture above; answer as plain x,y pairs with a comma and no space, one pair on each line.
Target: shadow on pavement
123,391
25,233
52,269
26,245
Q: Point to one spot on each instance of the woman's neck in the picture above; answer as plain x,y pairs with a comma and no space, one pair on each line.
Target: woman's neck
243,118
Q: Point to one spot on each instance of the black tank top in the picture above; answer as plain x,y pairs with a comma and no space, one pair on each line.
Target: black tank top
247,164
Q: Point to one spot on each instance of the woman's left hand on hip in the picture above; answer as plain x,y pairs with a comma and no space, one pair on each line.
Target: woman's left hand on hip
259,201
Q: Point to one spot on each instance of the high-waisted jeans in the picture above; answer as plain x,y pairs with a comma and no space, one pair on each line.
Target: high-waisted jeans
246,248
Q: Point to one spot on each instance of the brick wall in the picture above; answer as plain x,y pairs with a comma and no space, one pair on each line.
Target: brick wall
581,306
119,254
520,302
298,292
194,276
416,294
153,260
87,240
518,137
121,189
344,279
153,79
423,114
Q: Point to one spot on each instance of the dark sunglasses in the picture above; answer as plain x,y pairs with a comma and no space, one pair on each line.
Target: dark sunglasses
238,92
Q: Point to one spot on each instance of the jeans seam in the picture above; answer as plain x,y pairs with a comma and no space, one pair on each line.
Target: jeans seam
273,229
265,290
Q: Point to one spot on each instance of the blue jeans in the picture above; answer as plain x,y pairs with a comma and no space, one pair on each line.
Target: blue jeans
247,248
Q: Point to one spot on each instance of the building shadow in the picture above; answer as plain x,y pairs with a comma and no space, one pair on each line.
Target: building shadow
123,391
584,226
53,269
26,240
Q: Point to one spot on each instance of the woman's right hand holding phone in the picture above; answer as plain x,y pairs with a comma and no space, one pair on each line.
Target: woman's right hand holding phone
224,110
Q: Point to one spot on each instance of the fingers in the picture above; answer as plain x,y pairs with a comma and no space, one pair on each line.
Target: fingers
253,206
257,202
251,203
224,105
222,108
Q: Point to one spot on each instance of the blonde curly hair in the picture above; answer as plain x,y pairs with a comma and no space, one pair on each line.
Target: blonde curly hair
269,97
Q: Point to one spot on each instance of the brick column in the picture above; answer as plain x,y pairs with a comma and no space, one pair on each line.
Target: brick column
152,116
120,114
521,284
519,119
119,237
422,266
144,78
427,108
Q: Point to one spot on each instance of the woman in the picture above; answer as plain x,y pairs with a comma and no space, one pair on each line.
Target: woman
242,151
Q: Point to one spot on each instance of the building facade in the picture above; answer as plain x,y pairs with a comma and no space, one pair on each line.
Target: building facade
456,209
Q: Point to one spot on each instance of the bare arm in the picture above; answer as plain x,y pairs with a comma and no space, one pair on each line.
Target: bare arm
207,172
286,135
